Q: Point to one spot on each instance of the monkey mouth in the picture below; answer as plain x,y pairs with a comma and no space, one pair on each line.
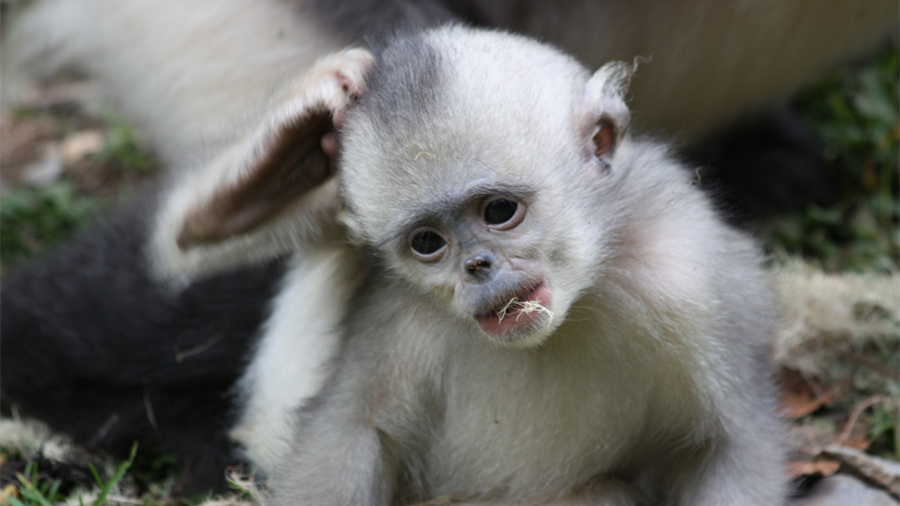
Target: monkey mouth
518,313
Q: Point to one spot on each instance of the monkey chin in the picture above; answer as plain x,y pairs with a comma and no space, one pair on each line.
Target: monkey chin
522,321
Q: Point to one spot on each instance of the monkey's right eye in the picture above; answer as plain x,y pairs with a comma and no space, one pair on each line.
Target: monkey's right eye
427,245
502,214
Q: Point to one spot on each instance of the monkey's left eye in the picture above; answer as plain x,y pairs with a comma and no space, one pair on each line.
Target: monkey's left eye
427,245
503,214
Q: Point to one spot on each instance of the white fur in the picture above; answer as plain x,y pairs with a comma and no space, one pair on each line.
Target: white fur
33,440
545,421
186,72
291,361
308,220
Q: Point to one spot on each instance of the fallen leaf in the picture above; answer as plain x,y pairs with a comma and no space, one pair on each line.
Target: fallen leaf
798,468
801,397
80,146
8,492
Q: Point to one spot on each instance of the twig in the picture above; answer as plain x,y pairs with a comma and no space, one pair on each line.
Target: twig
856,413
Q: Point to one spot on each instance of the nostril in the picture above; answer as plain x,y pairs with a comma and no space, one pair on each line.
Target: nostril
478,263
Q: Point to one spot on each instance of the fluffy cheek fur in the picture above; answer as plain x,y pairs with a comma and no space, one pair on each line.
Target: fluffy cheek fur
574,253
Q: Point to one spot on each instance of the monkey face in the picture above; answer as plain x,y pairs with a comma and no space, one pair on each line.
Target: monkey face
499,249
481,255
491,205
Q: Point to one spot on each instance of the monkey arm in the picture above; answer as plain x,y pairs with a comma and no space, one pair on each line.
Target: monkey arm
729,473
345,448
742,465
337,459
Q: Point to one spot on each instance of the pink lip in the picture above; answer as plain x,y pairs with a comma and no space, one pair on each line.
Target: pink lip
514,320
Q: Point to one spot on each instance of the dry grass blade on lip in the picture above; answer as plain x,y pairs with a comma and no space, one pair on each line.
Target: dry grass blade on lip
522,307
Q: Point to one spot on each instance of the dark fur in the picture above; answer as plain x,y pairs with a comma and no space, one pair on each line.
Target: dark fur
406,80
94,347
367,18
764,166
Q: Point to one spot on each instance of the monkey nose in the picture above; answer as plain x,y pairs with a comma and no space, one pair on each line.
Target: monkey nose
479,265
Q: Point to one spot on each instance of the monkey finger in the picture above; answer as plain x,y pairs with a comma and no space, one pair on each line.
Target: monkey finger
330,144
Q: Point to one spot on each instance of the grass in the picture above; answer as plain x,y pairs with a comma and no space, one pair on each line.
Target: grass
123,145
34,490
35,218
107,487
855,113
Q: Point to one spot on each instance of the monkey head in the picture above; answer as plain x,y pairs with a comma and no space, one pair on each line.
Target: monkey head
482,180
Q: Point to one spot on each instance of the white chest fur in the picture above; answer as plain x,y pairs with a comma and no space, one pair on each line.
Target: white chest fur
597,389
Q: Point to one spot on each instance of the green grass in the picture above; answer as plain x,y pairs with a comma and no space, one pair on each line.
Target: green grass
36,491
855,112
34,218
123,145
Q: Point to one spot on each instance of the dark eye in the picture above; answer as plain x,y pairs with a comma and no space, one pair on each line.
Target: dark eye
503,214
427,245
499,211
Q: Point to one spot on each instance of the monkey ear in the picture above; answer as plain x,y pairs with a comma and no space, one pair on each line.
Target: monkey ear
270,189
608,116
291,154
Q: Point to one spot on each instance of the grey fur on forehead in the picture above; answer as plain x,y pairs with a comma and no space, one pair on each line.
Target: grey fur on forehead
420,76
359,18
406,79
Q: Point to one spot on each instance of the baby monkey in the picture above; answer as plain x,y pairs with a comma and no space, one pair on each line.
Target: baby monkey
507,300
